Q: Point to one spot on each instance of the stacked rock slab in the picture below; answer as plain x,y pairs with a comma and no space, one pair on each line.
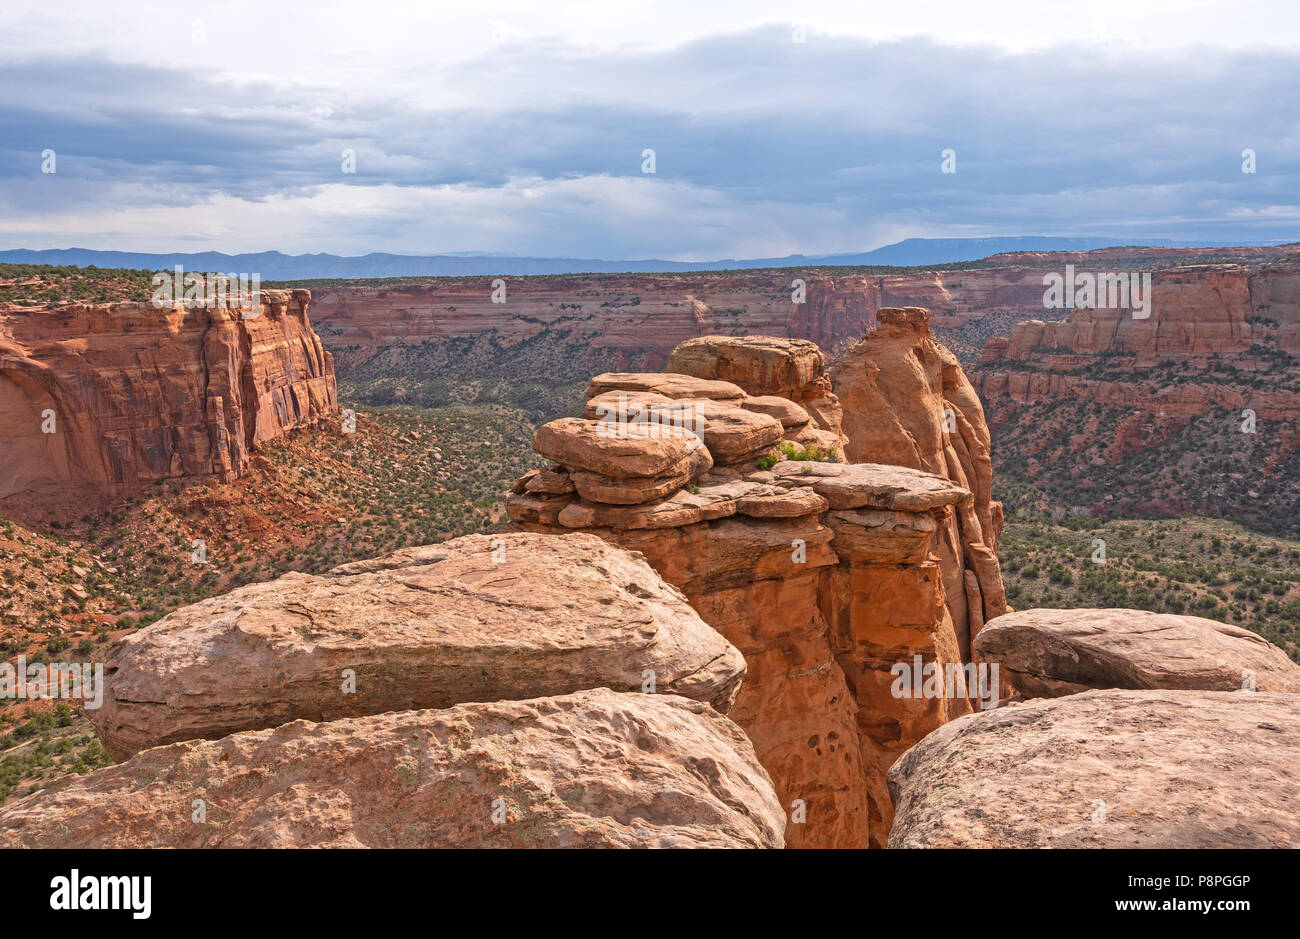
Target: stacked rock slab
518,690
767,367
907,402
825,575
427,627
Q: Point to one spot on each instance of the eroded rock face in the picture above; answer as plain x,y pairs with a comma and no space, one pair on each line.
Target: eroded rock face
1107,769
1048,653
473,619
595,768
825,575
140,393
907,402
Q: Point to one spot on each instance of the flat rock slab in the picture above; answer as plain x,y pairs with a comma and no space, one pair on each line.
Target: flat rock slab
872,485
477,618
611,449
1047,653
592,769
670,386
715,499
595,487
734,434
1107,769
786,411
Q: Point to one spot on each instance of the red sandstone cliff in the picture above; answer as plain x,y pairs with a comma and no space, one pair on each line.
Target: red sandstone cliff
140,393
645,316
1209,383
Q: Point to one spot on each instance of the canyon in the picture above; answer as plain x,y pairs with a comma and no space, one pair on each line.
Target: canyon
794,527
1093,409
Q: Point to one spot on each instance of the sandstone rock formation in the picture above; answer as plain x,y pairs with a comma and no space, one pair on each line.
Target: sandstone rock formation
825,575
595,768
907,402
473,619
1047,653
1117,769
139,393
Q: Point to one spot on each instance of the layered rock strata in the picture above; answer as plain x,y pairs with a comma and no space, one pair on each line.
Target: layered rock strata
104,397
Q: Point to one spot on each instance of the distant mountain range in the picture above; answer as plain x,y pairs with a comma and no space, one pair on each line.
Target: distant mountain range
272,265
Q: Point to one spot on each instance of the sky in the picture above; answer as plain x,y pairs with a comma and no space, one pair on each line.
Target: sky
521,127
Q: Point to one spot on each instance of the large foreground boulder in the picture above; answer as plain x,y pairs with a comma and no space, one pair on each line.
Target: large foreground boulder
477,618
1107,769
592,769
1047,653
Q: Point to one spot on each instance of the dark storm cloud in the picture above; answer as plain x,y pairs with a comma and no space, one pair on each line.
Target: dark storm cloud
1078,139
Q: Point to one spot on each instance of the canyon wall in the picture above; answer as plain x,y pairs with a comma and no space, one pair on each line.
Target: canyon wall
105,397
643,317
1192,409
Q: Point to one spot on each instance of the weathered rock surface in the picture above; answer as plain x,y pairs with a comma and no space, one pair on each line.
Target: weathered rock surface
670,386
762,365
140,393
734,434
907,402
1046,653
1107,769
473,619
871,485
591,769
786,411
597,447
596,487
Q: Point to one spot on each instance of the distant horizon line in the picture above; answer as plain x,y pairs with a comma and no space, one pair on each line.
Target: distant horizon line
469,255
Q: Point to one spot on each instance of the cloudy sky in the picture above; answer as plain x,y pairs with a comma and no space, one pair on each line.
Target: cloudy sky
519,127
